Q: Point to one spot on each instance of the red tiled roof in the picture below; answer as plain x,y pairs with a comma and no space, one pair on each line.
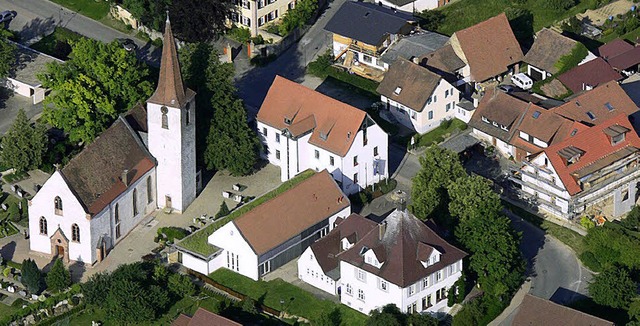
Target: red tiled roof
592,73
614,48
489,47
596,146
203,317
626,60
293,211
595,101
288,99
537,311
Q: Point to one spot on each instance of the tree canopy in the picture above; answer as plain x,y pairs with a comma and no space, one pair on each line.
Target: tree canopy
32,276
298,16
7,55
613,287
24,145
58,277
391,315
193,20
472,197
89,90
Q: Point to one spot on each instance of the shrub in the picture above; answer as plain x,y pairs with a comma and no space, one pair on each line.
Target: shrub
249,306
240,34
591,261
181,285
224,210
59,277
7,271
586,222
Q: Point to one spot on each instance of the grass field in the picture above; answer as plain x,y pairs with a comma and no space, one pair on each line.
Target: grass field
465,13
90,8
439,134
56,44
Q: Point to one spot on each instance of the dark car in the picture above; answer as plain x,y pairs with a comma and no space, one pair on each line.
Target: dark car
7,15
507,88
128,44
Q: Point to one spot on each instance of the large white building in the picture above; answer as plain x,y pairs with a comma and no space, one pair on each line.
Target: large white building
271,234
303,129
417,97
145,160
400,261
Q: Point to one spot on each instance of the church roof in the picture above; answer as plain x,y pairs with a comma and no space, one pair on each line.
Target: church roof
94,175
170,91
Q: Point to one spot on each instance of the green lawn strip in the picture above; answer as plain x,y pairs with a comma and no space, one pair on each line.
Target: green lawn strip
566,236
296,300
90,8
465,13
441,132
197,242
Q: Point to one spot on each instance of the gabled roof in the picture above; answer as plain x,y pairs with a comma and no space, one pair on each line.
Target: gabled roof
548,47
595,149
409,84
367,22
401,234
414,46
537,311
203,317
295,210
340,122
502,108
592,73
170,91
28,64
602,102
326,249
94,175
489,47
614,48
625,60
543,124
444,59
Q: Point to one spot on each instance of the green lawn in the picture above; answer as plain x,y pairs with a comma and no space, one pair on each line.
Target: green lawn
7,310
296,300
198,243
56,44
439,134
94,9
465,13
566,236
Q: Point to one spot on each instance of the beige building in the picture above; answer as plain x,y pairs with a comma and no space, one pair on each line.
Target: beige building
254,14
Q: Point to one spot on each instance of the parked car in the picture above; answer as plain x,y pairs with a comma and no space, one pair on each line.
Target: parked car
522,80
128,44
506,88
7,15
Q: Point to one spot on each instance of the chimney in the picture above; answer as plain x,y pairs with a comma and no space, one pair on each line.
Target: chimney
382,227
400,199
125,177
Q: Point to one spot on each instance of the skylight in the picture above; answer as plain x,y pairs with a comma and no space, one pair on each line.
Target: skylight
536,114
609,106
591,115
398,90
574,132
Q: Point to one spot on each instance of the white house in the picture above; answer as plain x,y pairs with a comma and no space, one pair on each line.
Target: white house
87,207
416,97
594,172
415,5
273,233
400,261
304,129
22,78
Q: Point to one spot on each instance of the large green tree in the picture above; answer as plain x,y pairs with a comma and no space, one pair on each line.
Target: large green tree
473,197
298,16
613,287
24,145
58,277
99,82
439,167
31,276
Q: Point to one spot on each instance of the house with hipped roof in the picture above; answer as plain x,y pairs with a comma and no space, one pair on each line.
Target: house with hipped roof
593,172
144,161
269,235
303,129
400,261
418,98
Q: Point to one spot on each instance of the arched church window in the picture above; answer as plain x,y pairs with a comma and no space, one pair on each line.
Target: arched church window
57,203
149,191
165,119
75,233
188,119
135,202
116,215
43,226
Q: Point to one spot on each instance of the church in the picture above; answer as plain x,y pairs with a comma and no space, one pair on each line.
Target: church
144,161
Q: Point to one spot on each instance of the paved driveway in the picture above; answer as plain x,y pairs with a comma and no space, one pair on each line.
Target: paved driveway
10,104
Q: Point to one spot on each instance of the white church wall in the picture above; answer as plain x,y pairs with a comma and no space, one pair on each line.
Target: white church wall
241,258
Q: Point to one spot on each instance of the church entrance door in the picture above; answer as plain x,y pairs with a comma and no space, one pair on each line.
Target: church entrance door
60,251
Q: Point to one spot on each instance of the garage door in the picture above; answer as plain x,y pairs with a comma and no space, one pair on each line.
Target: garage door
535,74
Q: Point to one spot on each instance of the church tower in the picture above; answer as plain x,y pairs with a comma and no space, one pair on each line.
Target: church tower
171,122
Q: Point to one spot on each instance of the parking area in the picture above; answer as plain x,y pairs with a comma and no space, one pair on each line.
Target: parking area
11,103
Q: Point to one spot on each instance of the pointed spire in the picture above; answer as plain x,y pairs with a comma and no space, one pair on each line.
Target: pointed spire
170,90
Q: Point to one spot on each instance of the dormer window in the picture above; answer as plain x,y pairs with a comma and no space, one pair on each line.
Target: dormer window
495,124
484,119
617,139
345,243
616,133
504,128
397,91
571,154
287,121
323,136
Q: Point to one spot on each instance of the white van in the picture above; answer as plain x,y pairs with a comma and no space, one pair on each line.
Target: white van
522,80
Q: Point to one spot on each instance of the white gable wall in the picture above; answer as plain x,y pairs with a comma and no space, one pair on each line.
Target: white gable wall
241,257
42,204
310,272
419,5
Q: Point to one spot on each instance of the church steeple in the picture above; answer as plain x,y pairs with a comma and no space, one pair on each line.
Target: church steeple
170,91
